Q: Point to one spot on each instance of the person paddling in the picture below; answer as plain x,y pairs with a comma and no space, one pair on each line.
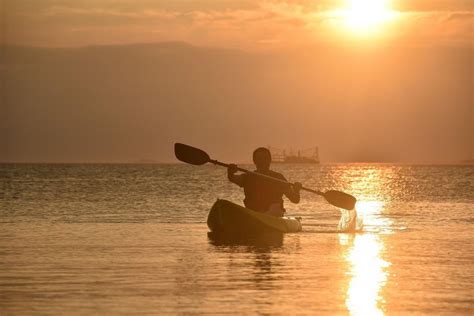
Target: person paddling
264,195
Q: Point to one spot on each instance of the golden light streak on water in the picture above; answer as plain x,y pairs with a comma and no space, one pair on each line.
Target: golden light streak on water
369,190
368,275
370,212
367,267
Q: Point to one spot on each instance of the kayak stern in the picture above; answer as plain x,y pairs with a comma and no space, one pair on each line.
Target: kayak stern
230,218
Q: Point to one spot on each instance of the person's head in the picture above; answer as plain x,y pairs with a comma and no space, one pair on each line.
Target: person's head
262,158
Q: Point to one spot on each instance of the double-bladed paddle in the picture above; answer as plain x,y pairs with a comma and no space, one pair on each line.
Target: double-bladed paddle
196,156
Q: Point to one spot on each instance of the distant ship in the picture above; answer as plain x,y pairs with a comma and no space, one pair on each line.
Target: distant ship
310,155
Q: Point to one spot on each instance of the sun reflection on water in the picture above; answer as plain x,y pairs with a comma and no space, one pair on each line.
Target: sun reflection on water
368,275
371,213
366,266
368,184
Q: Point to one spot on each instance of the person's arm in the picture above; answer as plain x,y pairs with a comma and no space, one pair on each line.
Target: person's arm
293,192
234,178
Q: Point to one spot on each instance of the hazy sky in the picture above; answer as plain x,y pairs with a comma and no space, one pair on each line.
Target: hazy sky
248,24
366,80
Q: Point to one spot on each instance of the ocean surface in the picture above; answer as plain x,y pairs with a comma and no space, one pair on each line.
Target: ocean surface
86,239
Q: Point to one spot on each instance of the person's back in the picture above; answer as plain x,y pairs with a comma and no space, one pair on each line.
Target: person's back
264,195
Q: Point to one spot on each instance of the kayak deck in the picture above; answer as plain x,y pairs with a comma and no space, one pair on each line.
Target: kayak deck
228,217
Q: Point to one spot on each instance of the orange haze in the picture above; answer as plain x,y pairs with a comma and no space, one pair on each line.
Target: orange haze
229,76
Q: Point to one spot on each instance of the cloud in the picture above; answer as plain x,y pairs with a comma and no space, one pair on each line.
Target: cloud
463,16
275,23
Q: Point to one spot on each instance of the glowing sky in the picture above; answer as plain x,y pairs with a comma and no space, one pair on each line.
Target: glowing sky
233,23
366,80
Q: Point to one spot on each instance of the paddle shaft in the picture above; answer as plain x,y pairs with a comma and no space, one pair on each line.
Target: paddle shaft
198,157
263,176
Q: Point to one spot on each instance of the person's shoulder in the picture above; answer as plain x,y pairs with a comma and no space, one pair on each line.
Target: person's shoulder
277,175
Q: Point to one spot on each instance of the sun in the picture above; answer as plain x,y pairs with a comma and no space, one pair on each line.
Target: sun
366,16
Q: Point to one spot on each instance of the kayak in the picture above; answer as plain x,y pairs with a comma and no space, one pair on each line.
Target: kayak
228,217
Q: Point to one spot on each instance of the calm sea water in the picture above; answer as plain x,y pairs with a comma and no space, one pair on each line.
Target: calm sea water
132,239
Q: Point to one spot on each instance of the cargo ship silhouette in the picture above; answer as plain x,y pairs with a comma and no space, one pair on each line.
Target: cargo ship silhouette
309,155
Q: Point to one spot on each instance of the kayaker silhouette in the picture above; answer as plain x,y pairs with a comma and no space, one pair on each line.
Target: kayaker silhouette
264,195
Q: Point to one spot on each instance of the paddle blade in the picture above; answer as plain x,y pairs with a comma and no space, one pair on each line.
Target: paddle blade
340,199
191,155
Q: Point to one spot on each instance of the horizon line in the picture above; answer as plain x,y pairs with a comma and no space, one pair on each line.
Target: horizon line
462,162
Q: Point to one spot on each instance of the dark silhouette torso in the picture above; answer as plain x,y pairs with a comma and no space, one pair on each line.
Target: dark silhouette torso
260,193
